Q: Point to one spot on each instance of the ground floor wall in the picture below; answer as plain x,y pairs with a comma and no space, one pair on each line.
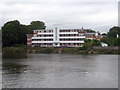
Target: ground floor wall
57,45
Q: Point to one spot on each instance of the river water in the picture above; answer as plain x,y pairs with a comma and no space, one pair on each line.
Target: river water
59,71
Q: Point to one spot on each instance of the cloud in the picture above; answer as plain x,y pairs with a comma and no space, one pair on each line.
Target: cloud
59,1
99,15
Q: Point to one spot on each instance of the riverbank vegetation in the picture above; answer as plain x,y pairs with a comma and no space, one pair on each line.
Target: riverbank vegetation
50,50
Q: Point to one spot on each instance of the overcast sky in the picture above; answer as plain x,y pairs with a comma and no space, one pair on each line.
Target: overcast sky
99,15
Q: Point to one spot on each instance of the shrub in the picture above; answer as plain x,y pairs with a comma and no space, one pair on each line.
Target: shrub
48,50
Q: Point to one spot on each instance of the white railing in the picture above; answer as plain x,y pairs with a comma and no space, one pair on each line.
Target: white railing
42,37
73,37
58,41
42,41
71,41
68,32
45,33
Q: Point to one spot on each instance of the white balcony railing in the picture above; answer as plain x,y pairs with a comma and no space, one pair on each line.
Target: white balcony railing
71,41
58,41
42,37
72,37
42,41
68,33
45,33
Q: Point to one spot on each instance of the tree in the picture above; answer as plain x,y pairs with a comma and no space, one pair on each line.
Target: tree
15,33
10,32
113,32
93,42
111,37
88,42
90,31
108,40
96,42
116,42
37,25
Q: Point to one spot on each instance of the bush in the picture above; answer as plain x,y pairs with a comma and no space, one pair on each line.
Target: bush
19,45
48,50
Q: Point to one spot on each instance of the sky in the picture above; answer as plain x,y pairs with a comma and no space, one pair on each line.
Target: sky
98,15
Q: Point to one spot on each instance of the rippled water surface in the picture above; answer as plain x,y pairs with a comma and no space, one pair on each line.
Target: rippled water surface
60,71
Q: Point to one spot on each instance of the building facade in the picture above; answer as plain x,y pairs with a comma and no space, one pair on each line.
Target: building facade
59,38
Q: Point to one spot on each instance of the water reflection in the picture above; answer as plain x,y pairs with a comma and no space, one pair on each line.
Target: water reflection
9,54
11,61
60,70
12,67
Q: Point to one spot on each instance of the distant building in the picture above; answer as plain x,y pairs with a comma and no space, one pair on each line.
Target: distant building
93,35
90,35
117,36
60,37
98,35
103,35
104,44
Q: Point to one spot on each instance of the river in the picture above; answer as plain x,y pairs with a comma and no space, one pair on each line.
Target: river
59,71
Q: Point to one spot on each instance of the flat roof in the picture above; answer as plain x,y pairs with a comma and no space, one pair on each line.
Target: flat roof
60,29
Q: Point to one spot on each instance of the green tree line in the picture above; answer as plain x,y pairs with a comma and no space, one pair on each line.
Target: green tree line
111,37
14,33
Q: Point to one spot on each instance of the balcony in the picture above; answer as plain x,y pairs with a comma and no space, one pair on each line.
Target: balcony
45,33
42,37
71,37
42,41
68,33
71,41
